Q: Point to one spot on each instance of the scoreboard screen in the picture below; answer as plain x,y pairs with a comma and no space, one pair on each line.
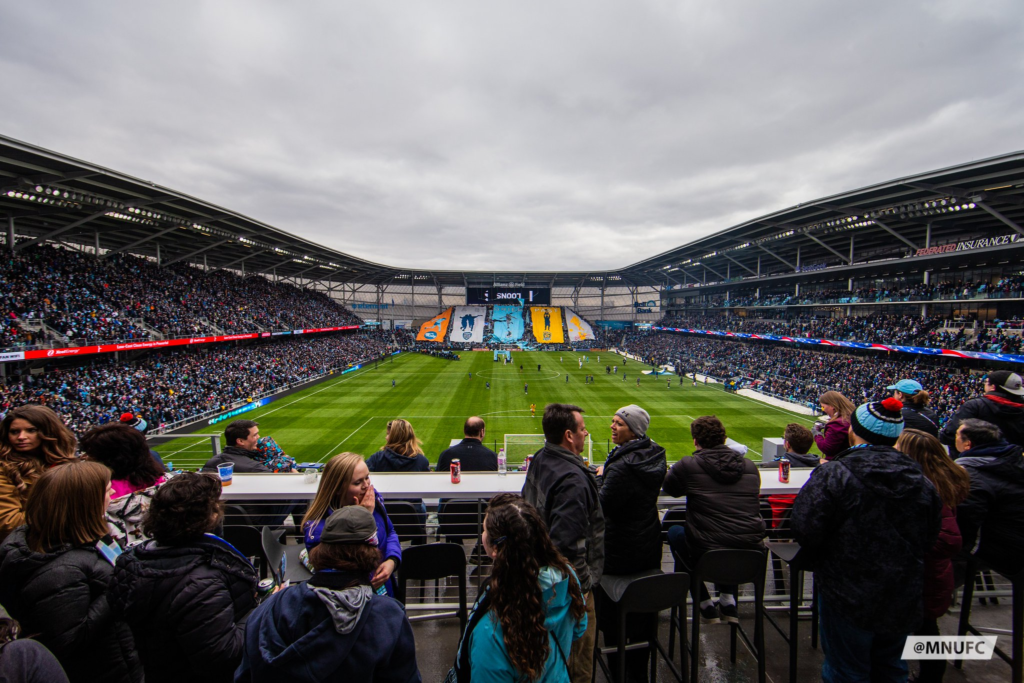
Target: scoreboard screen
531,296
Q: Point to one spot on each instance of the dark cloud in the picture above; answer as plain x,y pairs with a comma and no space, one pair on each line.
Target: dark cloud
523,136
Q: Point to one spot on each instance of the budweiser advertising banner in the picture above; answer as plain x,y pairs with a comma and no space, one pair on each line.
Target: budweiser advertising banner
151,344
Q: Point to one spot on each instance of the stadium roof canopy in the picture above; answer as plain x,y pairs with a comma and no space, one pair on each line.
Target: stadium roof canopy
46,196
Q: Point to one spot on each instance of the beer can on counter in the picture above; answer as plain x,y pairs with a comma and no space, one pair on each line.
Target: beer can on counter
456,471
784,466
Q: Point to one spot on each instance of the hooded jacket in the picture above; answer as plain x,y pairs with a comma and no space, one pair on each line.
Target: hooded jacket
865,522
320,631
722,491
632,479
386,460
488,657
995,506
1000,409
922,419
190,600
245,461
62,596
565,494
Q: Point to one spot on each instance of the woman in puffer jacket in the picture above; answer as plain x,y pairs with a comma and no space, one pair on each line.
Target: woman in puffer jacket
953,485
186,592
54,573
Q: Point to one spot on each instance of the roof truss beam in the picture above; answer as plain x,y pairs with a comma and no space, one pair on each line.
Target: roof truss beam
846,259
776,256
59,231
137,243
739,264
1001,217
197,252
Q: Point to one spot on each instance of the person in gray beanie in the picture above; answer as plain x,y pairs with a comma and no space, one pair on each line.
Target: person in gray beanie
630,482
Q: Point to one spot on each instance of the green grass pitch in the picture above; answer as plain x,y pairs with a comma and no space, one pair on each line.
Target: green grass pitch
350,412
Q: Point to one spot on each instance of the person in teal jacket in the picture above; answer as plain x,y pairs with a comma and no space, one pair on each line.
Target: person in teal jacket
532,609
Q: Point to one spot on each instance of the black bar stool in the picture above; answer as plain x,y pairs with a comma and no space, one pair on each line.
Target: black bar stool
1016,632
789,553
731,567
435,561
644,593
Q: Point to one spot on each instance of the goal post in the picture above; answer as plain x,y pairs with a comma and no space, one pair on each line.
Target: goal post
519,446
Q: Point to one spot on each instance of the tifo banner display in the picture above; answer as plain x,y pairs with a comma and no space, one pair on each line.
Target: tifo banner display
435,328
468,324
547,324
508,324
579,329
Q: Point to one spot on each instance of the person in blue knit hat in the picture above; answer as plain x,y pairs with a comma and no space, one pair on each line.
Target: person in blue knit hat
864,521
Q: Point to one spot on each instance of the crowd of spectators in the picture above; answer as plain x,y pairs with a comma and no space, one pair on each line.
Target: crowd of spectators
889,329
802,376
88,300
170,386
1011,286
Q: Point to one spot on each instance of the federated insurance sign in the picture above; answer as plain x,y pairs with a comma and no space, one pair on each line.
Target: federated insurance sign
949,647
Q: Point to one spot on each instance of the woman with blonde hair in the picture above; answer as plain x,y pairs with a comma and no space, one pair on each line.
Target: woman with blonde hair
346,481
832,436
953,485
403,452
32,440
55,572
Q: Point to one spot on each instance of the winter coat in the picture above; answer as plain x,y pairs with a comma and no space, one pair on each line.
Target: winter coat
938,567
386,460
387,538
62,596
924,420
864,522
487,656
245,461
319,631
125,513
186,605
801,459
565,494
722,490
630,485
1000,409
834,437
995,506
473,456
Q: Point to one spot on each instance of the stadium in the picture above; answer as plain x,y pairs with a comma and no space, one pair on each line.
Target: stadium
127,297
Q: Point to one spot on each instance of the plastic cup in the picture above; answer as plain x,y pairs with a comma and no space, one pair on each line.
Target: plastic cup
226,472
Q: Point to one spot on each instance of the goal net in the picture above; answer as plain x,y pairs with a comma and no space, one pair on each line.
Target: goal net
519,446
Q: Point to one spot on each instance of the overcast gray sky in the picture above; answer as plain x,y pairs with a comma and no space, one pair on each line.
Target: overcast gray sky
514,135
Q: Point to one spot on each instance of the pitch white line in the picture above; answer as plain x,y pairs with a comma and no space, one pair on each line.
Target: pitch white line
346,438
357,373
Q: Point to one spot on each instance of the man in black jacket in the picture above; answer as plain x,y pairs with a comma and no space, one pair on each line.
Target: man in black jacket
565,494
241,437
723,511
1001,405
471,452
865,521
995,506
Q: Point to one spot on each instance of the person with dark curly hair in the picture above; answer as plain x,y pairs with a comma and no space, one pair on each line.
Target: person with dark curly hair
32,439
55,571
531,610
135,476
185,591
335,626
723,509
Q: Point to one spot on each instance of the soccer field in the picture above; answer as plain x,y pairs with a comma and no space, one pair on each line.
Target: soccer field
350,412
